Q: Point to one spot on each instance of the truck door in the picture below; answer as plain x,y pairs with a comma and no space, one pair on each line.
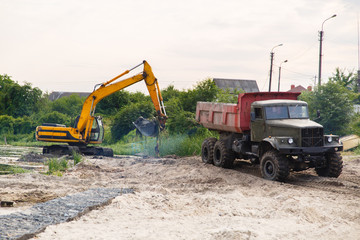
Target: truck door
257,124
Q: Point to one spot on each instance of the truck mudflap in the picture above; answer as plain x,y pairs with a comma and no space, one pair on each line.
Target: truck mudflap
310,150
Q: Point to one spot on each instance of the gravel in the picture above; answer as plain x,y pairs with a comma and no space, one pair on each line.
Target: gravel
24,225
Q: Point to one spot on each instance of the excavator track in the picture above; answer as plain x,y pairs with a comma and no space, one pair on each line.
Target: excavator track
86,150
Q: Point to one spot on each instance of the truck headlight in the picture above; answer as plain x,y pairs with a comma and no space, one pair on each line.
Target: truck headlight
290,141
329,139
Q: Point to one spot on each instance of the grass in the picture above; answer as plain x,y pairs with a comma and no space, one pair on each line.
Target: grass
8,169
180,145
77,157
57,166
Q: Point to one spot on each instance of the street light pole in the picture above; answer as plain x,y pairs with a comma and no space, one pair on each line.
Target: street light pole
280,74
271,64
321,34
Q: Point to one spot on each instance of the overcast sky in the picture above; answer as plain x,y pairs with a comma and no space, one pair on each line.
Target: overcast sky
71,45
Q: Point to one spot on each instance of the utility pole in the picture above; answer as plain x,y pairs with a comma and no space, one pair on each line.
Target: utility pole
320,56
271,64
280,74
321,35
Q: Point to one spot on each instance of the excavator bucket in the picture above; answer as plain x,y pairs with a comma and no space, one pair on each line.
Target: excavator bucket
149,128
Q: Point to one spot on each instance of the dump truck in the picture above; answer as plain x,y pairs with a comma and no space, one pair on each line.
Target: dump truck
271,129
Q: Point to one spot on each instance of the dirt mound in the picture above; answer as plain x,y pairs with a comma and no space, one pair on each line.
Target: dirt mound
33,157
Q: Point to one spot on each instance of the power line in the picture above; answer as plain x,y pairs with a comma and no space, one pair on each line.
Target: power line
303,74
303,53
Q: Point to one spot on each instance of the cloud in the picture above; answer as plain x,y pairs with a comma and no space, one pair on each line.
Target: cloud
72,45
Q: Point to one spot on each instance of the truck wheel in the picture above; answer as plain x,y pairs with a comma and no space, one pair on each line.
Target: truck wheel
207,150
223,157
333,167
274,166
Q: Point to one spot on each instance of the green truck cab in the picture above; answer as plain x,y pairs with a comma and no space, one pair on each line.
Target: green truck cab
289,140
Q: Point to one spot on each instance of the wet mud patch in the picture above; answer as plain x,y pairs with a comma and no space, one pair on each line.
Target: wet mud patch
33,157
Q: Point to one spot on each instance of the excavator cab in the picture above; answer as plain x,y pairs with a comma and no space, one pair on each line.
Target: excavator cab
97,131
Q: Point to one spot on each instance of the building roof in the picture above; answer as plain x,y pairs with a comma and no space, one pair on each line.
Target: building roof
298,88
56,95
231,84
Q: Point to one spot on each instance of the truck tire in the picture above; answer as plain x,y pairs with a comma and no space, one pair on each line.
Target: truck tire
274,166
223,157
207,150
333,167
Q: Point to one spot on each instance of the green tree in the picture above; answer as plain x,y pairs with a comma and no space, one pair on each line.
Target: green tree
113,103
347,80
181,105
70,105
225,96
139,97
184,122
6,124
205,91
170,92
16,100
179,121
335,103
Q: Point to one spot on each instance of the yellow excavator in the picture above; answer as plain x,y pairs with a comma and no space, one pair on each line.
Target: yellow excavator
89,129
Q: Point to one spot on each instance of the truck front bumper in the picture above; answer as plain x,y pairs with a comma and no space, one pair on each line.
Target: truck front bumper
310,150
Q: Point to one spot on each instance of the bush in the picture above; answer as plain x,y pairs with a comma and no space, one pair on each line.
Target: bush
19,139
23,125
55,117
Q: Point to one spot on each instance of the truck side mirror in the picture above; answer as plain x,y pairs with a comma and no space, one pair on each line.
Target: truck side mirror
252,116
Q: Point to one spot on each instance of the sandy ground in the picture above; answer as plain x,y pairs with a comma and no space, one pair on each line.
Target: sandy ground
182,198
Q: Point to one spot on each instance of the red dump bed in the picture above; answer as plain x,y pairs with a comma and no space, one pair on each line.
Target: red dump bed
234,117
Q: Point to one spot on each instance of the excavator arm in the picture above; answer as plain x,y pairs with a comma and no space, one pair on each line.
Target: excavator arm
109,88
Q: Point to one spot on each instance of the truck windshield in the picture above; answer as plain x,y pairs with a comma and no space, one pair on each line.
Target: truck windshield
298,111
277,112
285,112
